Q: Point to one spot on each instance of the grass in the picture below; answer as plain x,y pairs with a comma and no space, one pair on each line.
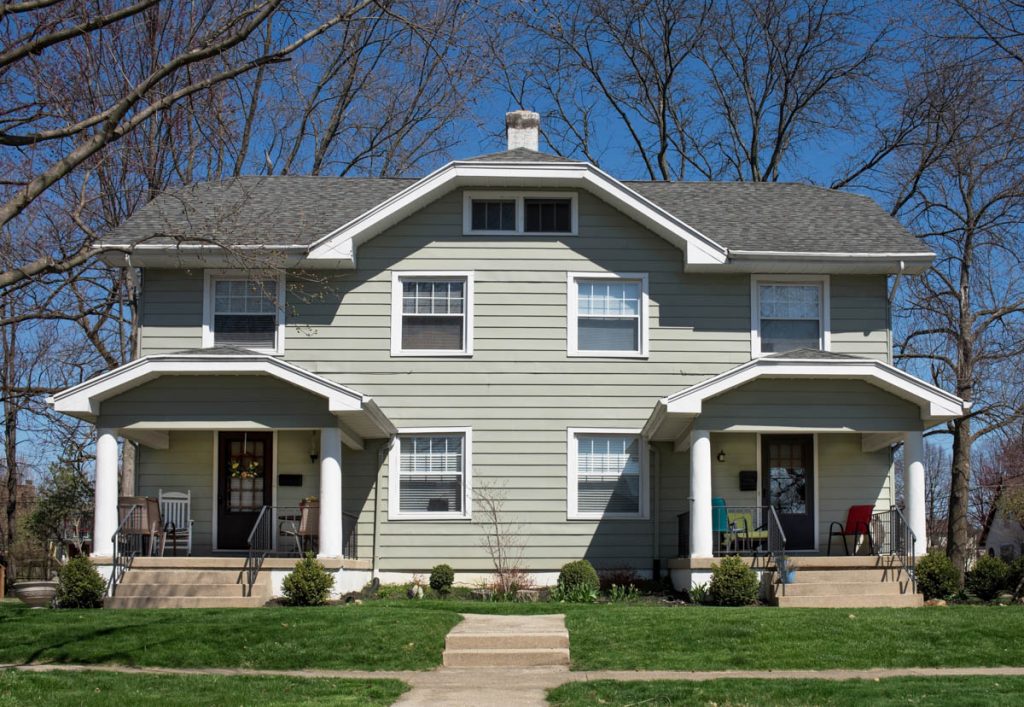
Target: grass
890,691
338,637
644,637
103,689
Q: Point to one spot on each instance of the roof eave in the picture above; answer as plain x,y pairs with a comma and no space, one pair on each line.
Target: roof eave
752,261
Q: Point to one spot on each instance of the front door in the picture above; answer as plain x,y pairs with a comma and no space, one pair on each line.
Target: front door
244,485
787,482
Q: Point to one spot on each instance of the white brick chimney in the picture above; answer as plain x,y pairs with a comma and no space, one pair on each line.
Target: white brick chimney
522,127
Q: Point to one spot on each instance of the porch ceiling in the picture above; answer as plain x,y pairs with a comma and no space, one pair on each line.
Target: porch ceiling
838,400
178,391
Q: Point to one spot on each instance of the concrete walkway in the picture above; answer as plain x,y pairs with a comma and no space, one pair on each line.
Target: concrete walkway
527,686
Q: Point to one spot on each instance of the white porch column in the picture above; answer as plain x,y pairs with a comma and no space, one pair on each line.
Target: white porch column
913,488
105,516
330,492
700,494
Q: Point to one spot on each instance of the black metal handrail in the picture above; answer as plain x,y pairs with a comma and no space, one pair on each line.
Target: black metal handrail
259,543
127,545
893,536
776,537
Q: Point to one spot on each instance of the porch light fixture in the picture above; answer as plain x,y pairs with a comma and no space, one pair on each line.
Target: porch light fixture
314,448
721,455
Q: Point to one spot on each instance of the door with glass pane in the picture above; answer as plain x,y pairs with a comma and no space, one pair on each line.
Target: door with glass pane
787,482
245,485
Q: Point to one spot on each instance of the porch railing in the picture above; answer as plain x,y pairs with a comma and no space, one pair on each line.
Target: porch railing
128,543
291,531
736,530
776,537
892,535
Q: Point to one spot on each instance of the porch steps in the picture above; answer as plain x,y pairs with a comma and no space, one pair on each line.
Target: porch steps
836,582
483,641
144,588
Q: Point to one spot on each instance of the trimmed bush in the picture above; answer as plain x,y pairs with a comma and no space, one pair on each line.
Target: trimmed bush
309,584
936,576
442,577
577,582
733,583
79,585
988,578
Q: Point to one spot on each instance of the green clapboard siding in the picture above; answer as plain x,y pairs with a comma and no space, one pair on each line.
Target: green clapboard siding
520,391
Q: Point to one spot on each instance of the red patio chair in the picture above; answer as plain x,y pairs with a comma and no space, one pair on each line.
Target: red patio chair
858,522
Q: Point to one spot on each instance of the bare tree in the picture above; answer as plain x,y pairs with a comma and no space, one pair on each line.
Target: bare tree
502,538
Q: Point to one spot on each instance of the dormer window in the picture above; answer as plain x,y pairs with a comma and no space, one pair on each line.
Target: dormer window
520,214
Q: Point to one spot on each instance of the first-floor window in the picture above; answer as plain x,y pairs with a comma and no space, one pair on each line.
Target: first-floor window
607,475
430,475
244,312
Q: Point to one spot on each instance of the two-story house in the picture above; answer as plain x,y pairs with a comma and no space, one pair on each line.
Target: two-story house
643,374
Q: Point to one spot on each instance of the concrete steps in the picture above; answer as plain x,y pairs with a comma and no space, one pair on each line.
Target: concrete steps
836,582
207,587
482,641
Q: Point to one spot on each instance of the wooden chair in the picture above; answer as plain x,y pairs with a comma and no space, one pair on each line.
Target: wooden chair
858,523
176,513
306,531
144,522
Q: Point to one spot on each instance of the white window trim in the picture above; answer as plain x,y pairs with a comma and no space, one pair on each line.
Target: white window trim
520,198
396,312
572,321
572,476
394,464
209,276
825,343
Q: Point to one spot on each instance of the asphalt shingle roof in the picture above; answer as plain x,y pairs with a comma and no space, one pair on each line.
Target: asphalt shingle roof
294,210
813,354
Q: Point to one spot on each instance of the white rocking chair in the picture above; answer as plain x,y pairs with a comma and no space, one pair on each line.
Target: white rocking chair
176,513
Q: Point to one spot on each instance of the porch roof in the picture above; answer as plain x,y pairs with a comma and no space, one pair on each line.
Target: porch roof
675,414
356,414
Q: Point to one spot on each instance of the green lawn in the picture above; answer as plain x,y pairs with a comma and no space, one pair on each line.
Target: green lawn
103,689
644,637
338,637
892,691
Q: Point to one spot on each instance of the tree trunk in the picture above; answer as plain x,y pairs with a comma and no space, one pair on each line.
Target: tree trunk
959,532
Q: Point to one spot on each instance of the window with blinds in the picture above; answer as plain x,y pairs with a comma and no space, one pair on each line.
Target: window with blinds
245,313
433,315
609,316
790,316
608,475
431,474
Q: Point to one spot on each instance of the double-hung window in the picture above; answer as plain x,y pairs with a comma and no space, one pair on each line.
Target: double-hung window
432,314
519,213
430,474
244,310
607,314
607,475
788,314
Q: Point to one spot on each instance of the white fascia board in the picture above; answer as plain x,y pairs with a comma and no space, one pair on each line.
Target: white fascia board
148,255
85,398
795,262
935,403
342,242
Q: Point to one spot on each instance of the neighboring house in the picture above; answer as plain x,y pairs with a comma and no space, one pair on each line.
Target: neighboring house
1002,534
605,356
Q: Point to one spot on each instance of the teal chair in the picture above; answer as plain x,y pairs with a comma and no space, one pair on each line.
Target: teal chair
719,520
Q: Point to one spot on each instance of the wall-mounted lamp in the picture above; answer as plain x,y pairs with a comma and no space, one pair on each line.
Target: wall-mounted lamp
721,455
314,448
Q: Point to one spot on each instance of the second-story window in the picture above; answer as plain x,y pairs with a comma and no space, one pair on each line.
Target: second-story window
789,314
432,314
607,314
243,311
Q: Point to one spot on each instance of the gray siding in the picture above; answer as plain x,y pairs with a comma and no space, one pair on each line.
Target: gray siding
520,391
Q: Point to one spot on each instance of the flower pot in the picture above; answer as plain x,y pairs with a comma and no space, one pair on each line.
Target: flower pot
36,593
789,577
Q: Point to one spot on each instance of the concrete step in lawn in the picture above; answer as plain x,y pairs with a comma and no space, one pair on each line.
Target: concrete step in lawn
484,641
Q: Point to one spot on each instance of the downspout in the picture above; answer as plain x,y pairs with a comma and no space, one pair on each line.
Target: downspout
655,462
888,309
382,455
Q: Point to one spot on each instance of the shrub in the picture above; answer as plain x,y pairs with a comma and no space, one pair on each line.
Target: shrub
79,585
988,578
442,577
579,575
733,583
309,584
1015,575
936,576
